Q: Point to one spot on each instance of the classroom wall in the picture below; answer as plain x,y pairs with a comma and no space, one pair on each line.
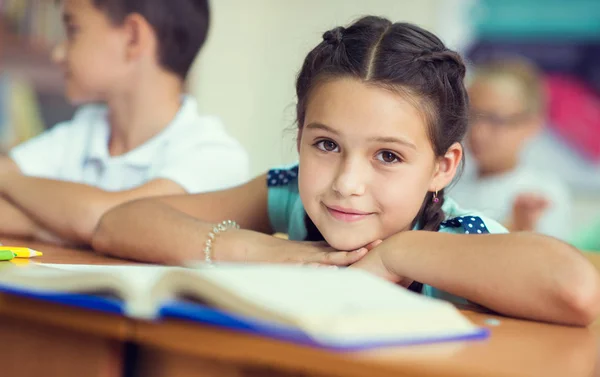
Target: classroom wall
247,71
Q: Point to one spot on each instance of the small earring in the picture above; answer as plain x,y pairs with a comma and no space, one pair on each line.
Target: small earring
435,197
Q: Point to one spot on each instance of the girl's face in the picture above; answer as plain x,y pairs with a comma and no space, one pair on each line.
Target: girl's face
366,162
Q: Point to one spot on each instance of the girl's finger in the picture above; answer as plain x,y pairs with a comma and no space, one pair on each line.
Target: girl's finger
321,265
373,244
339,258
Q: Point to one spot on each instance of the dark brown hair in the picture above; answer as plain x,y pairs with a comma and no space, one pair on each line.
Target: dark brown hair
400,57
181,27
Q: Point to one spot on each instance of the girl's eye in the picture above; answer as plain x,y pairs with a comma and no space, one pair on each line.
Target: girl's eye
388,157
327,146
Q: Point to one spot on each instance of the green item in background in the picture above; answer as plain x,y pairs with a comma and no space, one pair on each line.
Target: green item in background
534,19
6,255
589,238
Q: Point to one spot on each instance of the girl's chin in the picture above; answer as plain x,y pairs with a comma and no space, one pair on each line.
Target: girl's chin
338,243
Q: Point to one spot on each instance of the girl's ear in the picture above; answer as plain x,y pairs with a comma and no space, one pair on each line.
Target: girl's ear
446,167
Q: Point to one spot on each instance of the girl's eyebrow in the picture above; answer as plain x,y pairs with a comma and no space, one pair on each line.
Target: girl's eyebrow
389,139
321,126
379,139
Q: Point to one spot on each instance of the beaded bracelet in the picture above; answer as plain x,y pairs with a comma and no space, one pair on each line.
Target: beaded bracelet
219,228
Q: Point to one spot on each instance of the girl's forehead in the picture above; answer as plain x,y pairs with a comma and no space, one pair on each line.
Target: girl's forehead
351,106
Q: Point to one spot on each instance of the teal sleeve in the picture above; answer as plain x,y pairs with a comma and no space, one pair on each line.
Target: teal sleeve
430,291
280,206
286,212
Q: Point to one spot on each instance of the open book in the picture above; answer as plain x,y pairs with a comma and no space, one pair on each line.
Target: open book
341,309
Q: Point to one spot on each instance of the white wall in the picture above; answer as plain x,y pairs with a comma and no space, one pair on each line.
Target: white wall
247,71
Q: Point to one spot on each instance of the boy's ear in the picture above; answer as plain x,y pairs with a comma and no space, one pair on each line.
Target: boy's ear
446,167
140,36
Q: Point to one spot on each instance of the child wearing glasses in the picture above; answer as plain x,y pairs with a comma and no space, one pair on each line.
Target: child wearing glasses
507,111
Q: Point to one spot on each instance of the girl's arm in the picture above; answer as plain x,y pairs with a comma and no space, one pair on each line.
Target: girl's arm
521,274
173,230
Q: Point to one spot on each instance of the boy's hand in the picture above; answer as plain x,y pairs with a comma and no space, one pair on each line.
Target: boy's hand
527,210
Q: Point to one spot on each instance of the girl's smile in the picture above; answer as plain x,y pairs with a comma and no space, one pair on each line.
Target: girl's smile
348,215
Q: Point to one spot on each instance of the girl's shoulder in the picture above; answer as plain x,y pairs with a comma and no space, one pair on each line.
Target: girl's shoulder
286,212
285,176
462,221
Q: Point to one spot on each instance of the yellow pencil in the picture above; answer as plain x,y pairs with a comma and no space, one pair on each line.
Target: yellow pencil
22,252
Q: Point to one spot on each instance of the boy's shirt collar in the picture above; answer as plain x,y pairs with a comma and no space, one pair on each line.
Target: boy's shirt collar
143,154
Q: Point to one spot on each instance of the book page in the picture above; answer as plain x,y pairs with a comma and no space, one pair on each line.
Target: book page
342,302
309,290
133,284
137,278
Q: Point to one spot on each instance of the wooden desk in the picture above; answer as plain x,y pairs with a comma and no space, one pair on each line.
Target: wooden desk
515,348
45,339
63,255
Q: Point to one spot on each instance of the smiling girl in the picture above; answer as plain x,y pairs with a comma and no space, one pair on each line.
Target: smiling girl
381,113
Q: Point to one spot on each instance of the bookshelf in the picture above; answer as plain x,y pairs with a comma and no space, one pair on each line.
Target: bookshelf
28,31
31,85
25,59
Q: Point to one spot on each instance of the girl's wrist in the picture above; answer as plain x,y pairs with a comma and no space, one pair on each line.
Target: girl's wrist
226,246
243,245
394,252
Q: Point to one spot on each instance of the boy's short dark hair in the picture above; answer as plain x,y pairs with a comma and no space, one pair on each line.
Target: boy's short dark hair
181,27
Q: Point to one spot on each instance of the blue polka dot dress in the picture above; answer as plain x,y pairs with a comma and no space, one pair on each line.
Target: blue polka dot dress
468,224
282,177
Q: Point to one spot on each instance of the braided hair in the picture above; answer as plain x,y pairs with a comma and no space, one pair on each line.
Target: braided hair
402,57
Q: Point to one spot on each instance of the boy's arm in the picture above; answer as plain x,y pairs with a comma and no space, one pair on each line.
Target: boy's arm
71,210
7,165
13,221
524,275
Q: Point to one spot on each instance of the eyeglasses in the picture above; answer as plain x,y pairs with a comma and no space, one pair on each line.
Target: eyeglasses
496,120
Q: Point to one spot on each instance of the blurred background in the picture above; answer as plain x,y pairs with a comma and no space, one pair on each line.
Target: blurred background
246,72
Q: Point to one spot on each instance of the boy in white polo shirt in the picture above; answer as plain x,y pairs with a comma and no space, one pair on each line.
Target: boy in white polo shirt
141,138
